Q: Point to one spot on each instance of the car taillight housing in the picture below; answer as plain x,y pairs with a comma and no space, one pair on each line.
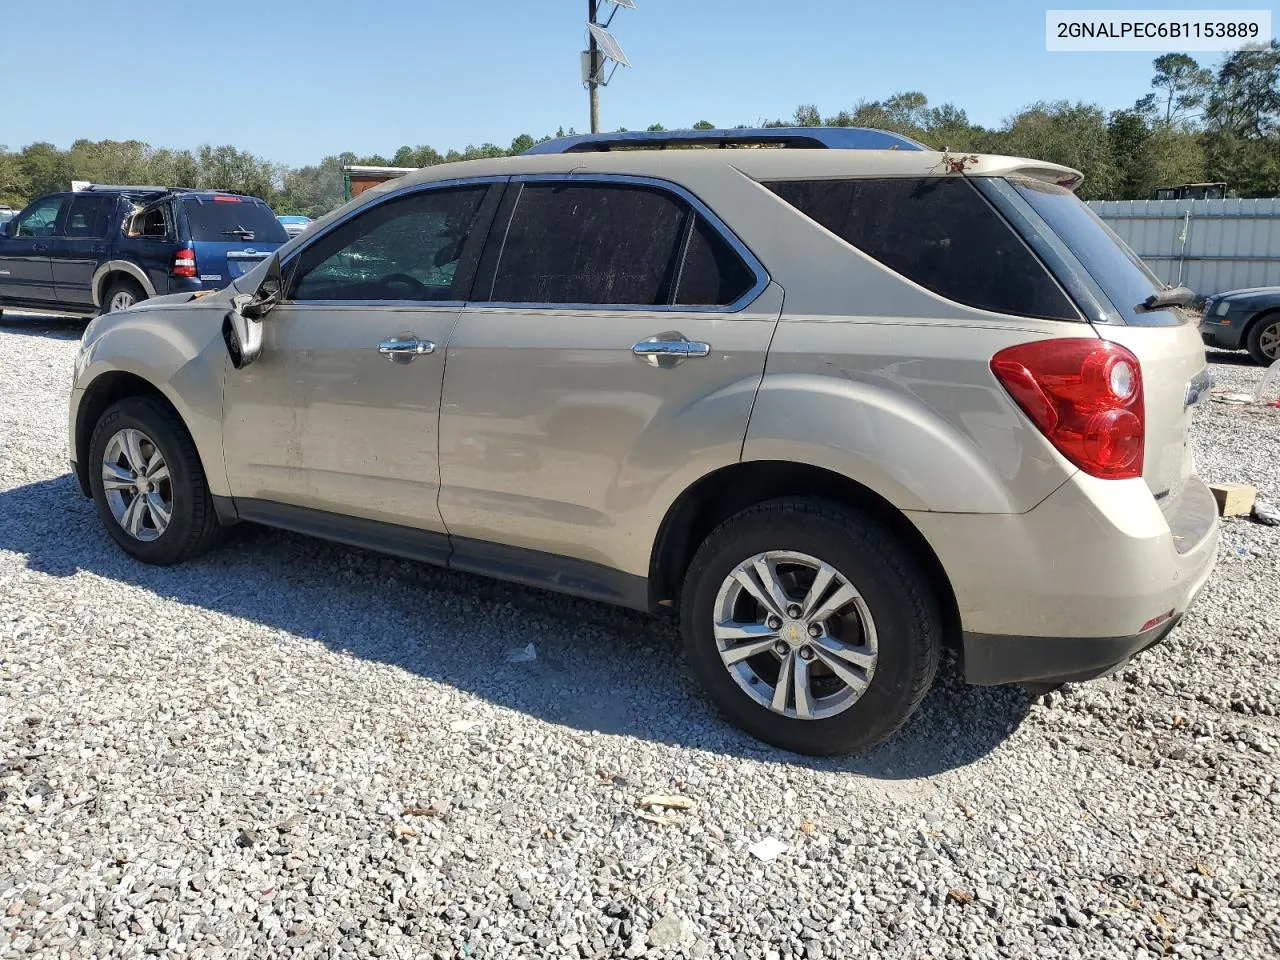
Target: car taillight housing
1085,395
184,263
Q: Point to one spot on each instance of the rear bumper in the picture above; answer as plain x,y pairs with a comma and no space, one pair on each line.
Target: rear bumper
1064,591
993,659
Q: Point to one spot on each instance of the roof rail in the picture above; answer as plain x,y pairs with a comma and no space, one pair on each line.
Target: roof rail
830,138
117,188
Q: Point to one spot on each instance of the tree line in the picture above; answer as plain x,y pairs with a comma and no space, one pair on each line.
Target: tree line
1194,125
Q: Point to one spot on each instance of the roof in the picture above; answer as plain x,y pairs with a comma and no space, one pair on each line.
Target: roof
830,138
757,164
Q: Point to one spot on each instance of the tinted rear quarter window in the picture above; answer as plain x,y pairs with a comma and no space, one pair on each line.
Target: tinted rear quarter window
938,232
229,221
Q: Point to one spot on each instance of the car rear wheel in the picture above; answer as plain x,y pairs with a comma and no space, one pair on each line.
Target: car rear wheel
148,484
810,626
121,295
1264,339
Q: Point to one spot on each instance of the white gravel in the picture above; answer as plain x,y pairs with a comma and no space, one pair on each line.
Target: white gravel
292,748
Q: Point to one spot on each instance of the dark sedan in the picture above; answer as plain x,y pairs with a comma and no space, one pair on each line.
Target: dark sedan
1244,320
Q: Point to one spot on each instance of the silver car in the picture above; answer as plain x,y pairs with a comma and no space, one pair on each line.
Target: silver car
834,400
294,224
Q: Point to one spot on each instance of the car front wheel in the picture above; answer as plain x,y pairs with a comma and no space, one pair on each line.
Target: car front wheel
1264,340
148,483
810,626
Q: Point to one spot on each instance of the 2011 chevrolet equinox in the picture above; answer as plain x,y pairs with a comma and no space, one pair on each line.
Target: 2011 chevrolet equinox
838,407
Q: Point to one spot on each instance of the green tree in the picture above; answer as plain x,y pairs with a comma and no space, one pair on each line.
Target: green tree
1128,134
13,182
806,115
1071,134
704,125
1245,99
45,168
1180,85
520,144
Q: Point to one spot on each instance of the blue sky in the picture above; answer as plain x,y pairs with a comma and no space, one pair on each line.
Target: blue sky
293,80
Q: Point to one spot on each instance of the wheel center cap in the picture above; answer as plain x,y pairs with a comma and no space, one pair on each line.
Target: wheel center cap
795,632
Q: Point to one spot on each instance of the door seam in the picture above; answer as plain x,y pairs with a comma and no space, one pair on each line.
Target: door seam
764,367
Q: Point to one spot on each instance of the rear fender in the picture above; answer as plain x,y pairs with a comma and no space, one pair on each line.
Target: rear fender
901,449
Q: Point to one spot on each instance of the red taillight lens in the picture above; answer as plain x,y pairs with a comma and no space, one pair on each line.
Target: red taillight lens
1085,396
184,263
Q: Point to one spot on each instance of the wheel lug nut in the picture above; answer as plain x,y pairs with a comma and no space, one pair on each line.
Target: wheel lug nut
773,623
793,611
806,653
815,631
780,648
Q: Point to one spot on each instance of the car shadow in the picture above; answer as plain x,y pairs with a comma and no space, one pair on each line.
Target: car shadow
597,667
1230,358
42,325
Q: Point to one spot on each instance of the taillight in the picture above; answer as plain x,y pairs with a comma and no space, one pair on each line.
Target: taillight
184,263
1085,396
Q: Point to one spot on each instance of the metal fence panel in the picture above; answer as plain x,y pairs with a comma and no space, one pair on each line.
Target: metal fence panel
1208,245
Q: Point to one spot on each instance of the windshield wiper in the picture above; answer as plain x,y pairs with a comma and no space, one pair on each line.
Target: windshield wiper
240,232
1168,297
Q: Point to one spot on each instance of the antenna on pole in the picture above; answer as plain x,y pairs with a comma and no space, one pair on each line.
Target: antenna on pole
602,48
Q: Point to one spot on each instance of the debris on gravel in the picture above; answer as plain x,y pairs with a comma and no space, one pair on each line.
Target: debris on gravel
291,748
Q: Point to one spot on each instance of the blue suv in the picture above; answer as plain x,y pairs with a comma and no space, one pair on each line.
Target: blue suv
105,248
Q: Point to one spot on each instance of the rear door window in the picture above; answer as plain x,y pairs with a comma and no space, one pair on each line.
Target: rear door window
614,244
713,274
88,216
229,219
938,232
590,244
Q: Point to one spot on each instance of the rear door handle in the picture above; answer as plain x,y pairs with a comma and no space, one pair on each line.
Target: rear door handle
671,348
404,349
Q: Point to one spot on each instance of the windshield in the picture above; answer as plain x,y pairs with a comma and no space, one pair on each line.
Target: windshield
230,221
1124,278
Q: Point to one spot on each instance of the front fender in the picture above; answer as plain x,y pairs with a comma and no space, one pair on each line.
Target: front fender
982,457
181,353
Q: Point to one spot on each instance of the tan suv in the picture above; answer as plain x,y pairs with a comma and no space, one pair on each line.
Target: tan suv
837,408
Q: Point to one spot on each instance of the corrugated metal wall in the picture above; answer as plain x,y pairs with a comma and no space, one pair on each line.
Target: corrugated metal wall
1208,245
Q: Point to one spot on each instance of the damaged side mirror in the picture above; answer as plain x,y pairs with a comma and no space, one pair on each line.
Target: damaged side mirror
242,326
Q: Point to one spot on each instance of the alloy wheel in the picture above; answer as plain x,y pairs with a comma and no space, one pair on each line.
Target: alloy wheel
121,300
137,485
1269,341
795,635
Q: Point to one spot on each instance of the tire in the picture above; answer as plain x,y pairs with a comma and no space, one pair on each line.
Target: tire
118,292
1264,333
905,628
192,527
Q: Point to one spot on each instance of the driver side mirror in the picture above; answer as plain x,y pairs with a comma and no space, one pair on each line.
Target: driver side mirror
9,227
270,292
242,326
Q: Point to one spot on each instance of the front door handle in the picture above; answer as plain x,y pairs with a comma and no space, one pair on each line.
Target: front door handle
668,349
404,349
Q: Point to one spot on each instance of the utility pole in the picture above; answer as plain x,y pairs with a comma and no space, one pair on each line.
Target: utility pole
593,61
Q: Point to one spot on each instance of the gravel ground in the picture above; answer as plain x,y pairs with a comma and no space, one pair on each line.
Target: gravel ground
294,748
